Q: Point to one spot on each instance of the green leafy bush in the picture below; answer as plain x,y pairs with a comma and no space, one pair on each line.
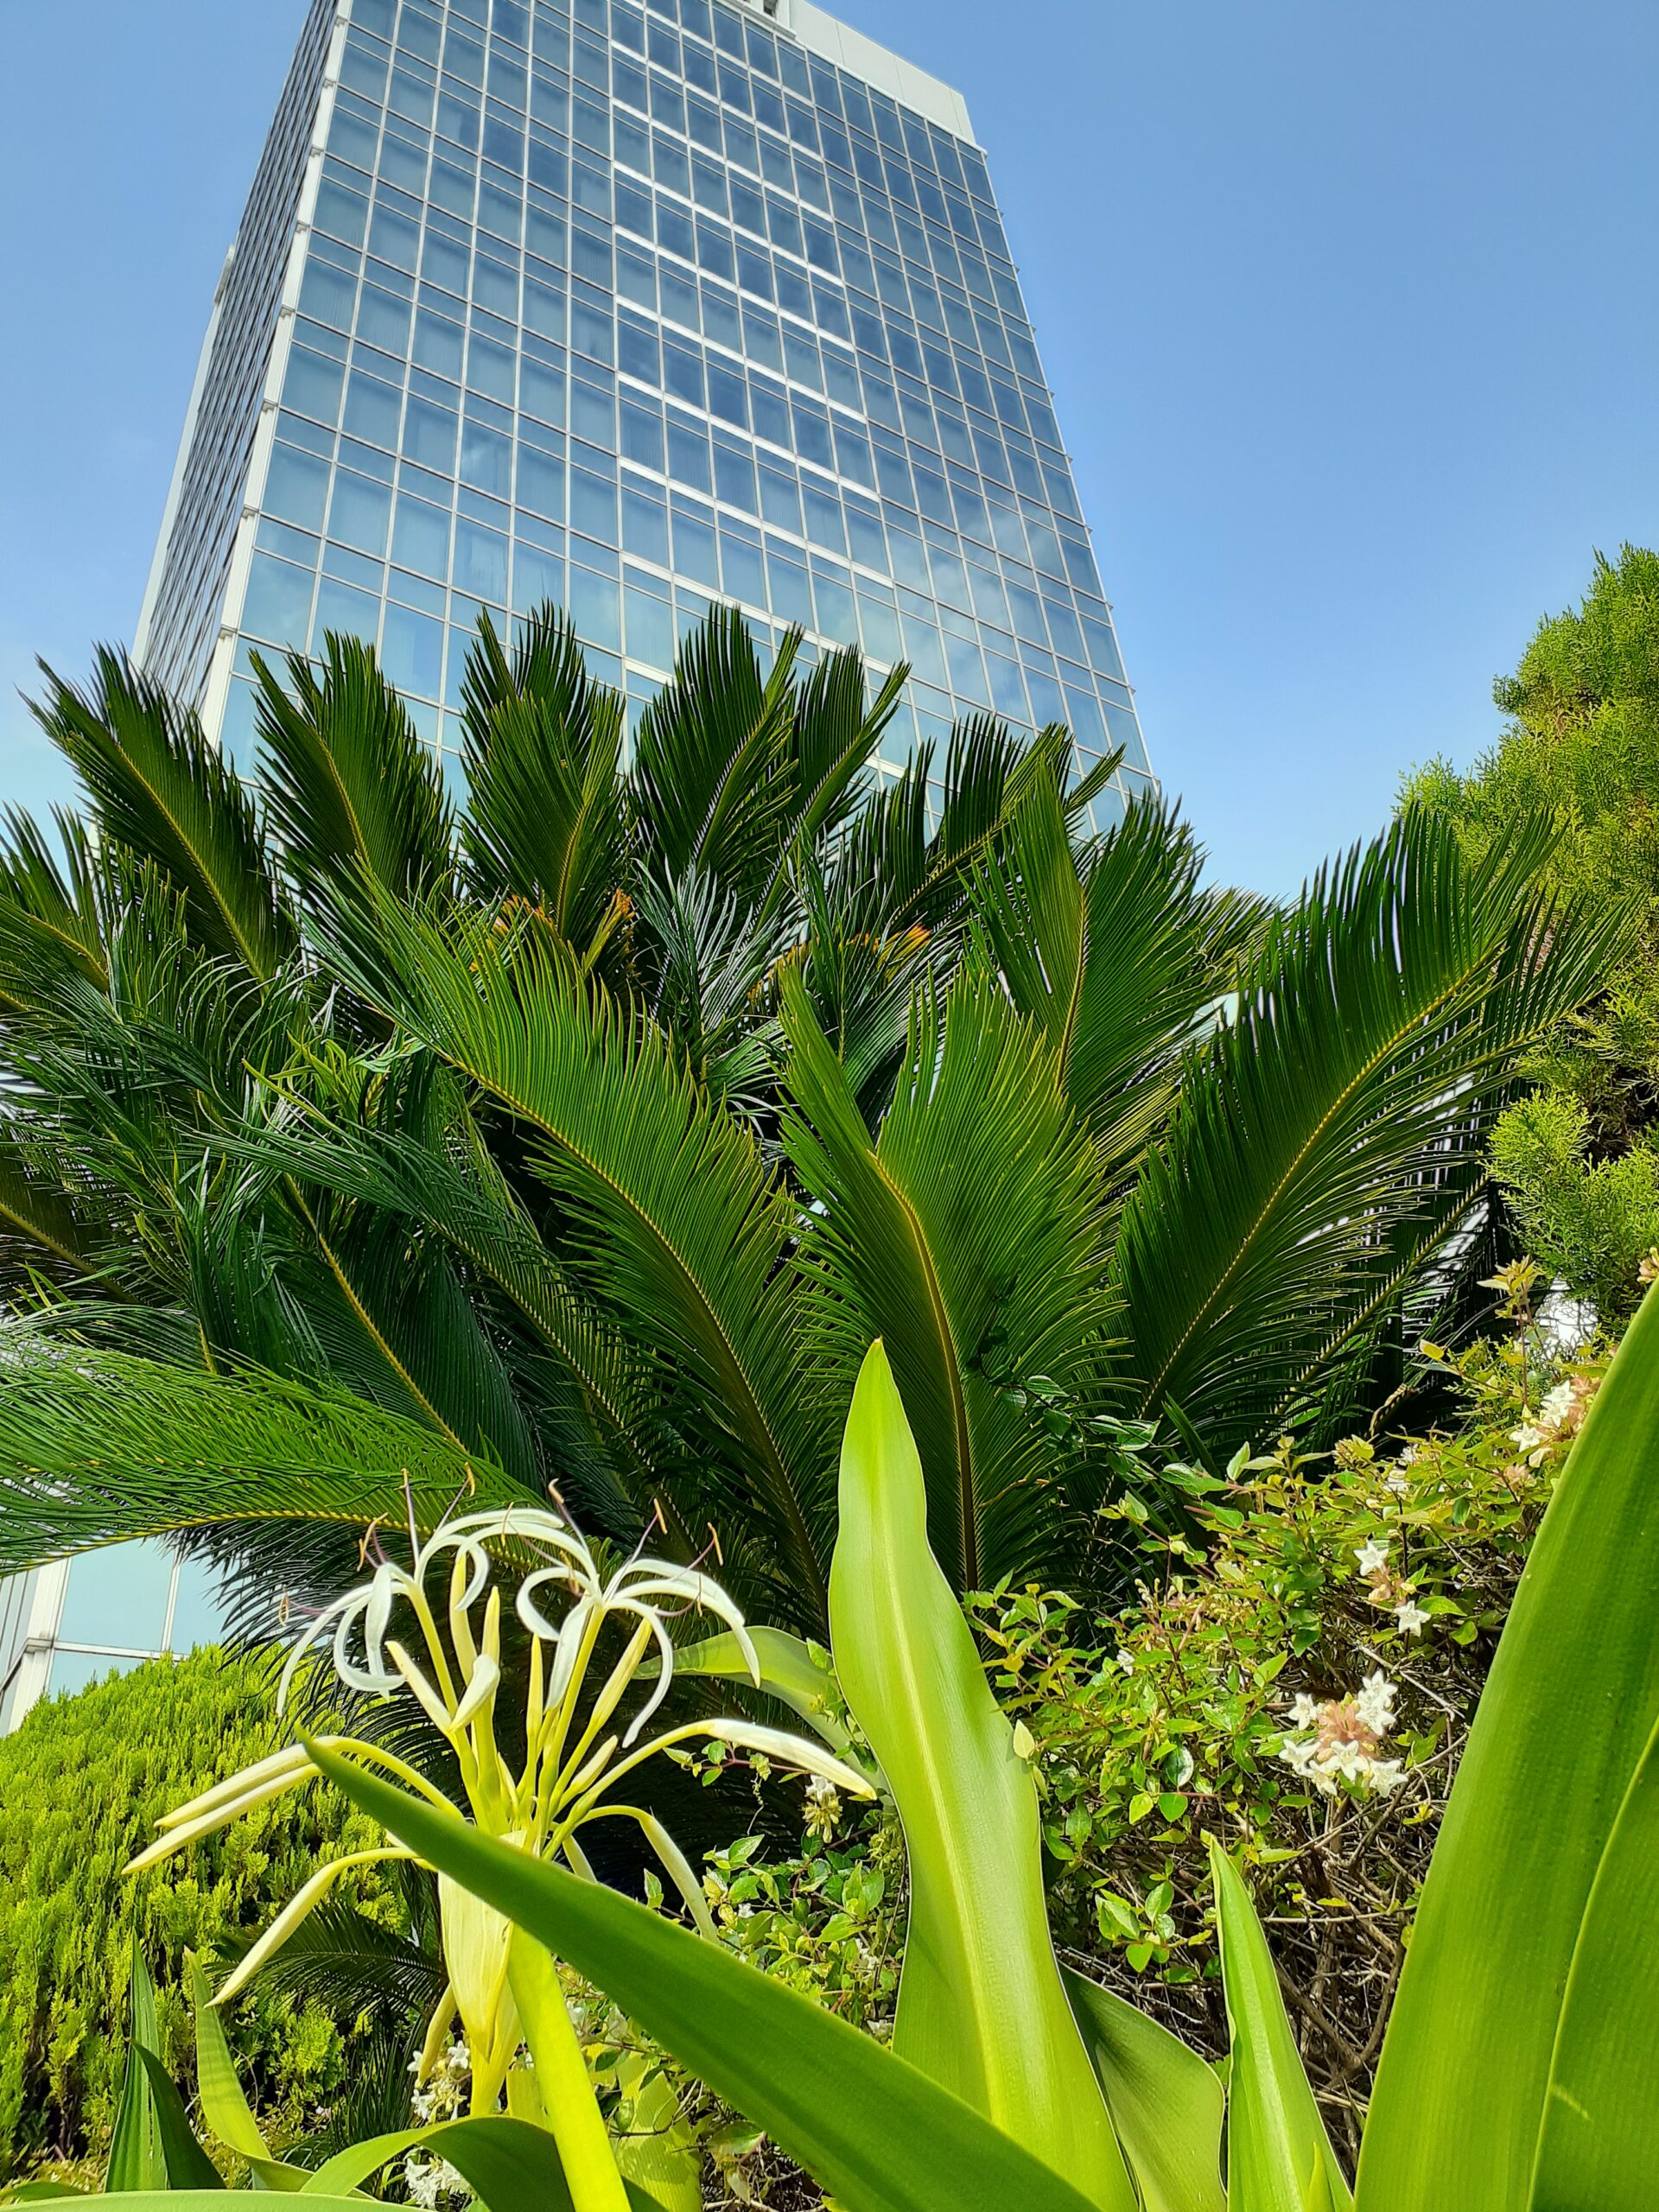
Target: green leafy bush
81,1783
1149,1728
1299,1578
1581,750
1592,1218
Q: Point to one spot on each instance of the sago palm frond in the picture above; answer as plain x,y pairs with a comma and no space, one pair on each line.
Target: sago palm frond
967,1236
676,1222
161,790
1331,1136
837,727
859,980
96,1447
349,787
542,747
714,957
1108,950
708,791
592,1407
911,857
53,911
39,1225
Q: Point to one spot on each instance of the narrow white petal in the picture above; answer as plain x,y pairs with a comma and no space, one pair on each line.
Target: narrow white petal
709,1598
220,1816
485,1677
665,1674
304,1901
431,1704
532,1614
293,1756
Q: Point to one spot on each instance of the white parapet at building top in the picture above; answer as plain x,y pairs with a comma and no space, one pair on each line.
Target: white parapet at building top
876,64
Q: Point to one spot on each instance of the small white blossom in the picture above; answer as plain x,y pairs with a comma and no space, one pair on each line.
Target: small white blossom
1526,1438
1338,1739
1412,1619
1375,1703
431,2178
1558,1405
1373,1556
1125,1660
1397,1484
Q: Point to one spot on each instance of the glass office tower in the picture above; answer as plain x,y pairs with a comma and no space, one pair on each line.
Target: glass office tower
632,308
629,307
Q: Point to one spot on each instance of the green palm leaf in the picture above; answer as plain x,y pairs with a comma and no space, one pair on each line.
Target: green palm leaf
968,1237
678,1223
1108,950
836,730
352,791
161,790
543,745
598,1411
710,791
38,1221
1331,1136
54,912
908,857
95,1447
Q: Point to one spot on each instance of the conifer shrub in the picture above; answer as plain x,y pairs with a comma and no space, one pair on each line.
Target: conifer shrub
81,1783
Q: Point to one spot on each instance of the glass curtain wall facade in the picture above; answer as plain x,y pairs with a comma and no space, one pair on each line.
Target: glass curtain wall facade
632,307
75,1621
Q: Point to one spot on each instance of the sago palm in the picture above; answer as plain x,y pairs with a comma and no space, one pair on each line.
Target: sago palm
362,1148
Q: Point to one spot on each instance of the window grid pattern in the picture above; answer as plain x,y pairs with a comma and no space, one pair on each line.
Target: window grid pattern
192,592
102,1612
634,307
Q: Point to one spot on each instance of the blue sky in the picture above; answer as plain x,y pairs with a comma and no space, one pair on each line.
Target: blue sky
1351,313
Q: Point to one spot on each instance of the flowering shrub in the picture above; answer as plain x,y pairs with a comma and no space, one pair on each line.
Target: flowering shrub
1296,1676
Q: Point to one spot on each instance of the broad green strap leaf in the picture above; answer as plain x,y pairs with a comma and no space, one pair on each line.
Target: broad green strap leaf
224,2107
656,2152
980,2005
513,2165
562,2081
1167,2106
136,2159
1599,2148
202,2200
872,2129
188,2165
1564,1720
1279,2157
791,1671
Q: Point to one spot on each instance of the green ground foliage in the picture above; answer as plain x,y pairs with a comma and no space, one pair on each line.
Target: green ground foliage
1153,1727
80,1784
1578,1158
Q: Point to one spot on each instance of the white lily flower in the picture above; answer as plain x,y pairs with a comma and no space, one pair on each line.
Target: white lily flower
571,1758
